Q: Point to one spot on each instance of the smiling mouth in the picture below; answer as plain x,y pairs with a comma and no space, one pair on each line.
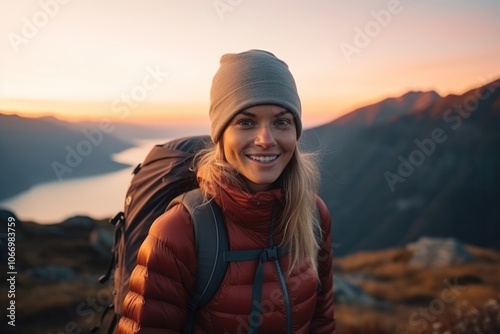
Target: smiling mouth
261,158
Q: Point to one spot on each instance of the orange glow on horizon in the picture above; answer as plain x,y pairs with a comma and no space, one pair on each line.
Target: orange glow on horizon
316,111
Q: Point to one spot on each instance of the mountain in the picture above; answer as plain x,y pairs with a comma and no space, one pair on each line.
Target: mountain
37,150
389,109
330,138
414,171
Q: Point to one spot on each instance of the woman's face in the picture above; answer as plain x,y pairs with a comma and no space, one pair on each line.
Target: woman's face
259,142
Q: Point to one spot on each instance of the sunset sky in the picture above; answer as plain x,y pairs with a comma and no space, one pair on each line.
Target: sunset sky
153,60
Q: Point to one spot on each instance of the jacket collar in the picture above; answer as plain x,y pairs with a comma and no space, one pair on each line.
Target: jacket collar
254,211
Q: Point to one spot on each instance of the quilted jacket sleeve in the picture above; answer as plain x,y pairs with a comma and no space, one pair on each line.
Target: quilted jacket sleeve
163,279
324,320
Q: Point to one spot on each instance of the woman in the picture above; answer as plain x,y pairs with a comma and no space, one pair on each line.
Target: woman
266,189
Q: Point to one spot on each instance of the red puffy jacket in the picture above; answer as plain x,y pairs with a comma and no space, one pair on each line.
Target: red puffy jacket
162,281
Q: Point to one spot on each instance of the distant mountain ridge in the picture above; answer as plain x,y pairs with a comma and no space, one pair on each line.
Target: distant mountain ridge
429,171
388,109
330,138
46,149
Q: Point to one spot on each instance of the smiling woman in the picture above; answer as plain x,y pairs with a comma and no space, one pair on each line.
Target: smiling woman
266,189
259,143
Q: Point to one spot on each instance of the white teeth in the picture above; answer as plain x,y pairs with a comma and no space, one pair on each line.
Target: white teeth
262,158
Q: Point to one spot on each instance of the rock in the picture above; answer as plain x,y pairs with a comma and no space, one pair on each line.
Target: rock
438,252
79,222
52,273
349,293
102,241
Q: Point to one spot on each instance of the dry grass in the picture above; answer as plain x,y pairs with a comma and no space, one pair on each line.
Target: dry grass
368,261
437,291
462,318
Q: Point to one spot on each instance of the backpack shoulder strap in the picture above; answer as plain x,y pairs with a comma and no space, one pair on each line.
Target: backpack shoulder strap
211,243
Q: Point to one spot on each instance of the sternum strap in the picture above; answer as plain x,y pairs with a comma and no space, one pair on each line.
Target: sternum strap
263,255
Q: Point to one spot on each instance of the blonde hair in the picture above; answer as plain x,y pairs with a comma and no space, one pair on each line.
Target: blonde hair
299,221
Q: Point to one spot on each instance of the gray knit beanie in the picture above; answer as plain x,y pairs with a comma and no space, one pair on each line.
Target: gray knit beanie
248,79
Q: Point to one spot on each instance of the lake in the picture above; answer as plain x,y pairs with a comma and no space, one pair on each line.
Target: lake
99,197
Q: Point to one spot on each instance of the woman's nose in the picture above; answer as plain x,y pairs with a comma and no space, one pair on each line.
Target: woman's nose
265,137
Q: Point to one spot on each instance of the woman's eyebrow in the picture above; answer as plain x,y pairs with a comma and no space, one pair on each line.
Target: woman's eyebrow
282,113
250,114
247,113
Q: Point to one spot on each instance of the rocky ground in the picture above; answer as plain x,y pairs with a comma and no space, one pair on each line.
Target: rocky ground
57,288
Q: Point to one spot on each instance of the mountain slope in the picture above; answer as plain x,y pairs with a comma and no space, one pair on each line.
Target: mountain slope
388,109
431,172
331,138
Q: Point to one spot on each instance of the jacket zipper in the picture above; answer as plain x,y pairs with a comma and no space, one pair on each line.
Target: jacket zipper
286,297
281,277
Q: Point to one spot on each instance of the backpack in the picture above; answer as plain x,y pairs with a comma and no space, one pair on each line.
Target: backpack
165,179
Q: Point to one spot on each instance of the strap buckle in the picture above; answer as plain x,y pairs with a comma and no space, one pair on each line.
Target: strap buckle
269,254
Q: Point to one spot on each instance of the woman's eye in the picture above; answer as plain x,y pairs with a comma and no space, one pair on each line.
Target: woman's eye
245,122
283,122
